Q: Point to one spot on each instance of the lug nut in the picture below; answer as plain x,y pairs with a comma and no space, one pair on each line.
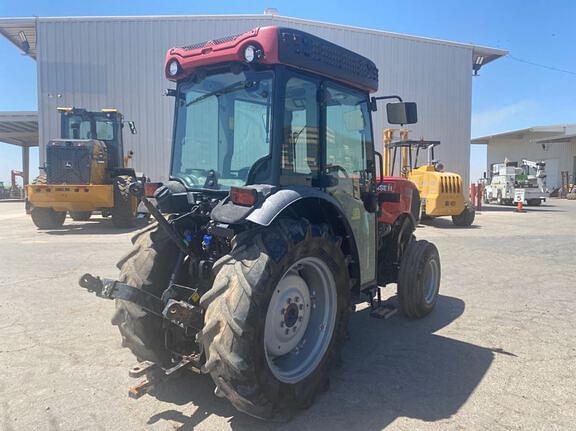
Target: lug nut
297,299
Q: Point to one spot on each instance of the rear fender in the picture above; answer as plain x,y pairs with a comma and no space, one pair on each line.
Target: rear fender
312,204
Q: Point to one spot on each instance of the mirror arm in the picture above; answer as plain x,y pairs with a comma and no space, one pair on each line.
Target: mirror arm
381,165
374,100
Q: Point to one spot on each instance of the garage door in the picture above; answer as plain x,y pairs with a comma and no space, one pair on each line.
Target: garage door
552,173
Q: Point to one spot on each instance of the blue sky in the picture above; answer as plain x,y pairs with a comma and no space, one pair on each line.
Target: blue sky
509,94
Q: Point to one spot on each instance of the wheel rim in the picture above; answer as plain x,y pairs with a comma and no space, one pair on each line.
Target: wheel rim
431,280
300,320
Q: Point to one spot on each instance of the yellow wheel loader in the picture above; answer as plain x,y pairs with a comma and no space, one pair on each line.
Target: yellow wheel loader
442,193
85,171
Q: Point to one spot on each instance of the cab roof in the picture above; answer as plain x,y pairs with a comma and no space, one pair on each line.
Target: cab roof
277,45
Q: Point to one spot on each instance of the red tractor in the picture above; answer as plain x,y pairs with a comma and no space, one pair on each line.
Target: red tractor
275,221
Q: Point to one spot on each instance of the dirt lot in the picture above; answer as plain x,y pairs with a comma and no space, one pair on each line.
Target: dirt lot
499,352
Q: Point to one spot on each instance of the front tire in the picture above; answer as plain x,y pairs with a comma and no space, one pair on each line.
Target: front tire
465,218
80,215
266,358
47,218
419,279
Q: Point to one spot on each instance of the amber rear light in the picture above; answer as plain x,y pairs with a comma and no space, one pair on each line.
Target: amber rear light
150,189
243,196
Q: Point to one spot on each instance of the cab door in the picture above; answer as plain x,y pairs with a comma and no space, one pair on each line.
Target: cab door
348,166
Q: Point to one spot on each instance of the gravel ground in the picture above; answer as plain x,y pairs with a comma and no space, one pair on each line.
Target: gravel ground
498,352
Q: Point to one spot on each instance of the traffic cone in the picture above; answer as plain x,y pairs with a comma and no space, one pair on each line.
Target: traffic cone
520,207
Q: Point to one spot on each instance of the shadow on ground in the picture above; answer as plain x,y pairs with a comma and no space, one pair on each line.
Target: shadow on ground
512,208
445,223
391,368
100,226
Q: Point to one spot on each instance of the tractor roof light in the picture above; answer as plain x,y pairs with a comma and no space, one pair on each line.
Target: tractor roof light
173,68
252,54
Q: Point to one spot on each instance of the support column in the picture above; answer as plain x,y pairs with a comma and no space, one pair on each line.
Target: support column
25,165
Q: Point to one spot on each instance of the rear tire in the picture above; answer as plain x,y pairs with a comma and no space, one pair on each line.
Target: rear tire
465,218
236,336
47,218
148,266
419,279
571,196
124,211
80,215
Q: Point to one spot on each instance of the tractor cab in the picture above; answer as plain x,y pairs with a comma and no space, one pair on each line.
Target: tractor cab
279,109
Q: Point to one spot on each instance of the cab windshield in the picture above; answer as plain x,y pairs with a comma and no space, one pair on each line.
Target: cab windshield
222,125
84,127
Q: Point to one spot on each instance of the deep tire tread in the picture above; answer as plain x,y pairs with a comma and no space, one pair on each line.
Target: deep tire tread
147,266
233,320
123,215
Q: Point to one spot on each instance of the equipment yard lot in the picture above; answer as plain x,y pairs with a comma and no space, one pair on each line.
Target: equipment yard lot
498,352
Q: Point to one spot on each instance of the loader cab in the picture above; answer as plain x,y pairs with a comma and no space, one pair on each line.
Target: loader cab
105,126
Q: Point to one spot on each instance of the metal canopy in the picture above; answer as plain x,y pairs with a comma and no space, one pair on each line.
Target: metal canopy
21,32
560,139
530,133
19,128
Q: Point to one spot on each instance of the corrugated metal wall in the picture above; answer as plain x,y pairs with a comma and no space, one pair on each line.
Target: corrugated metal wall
558,157
118,62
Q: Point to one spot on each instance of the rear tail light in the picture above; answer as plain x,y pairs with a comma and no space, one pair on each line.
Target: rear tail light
150,188
243,196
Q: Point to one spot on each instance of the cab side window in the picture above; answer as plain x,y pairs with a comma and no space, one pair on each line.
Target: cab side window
301,132
347,133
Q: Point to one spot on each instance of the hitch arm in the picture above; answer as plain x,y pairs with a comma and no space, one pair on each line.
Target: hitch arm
112,289
163,223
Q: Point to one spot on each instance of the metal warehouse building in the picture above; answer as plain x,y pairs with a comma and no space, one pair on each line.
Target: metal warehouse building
554,144
98,62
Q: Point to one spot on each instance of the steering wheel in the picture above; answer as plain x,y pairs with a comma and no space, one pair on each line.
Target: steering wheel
253,170
337,168
193,178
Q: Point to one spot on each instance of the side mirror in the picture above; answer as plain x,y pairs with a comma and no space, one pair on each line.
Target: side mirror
132,127
402,113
